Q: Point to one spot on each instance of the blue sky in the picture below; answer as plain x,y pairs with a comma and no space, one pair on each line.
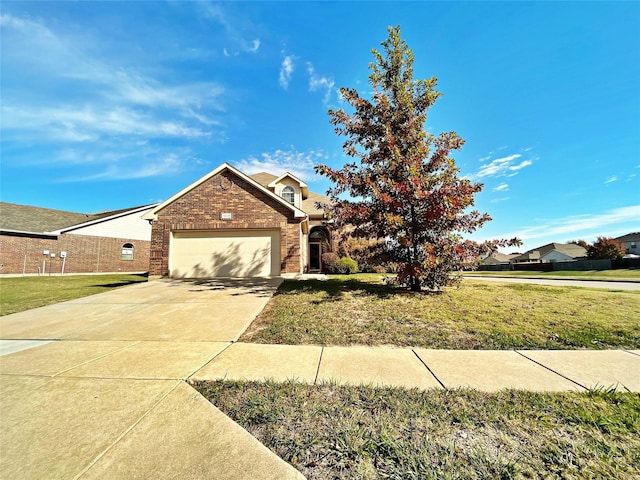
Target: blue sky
107,105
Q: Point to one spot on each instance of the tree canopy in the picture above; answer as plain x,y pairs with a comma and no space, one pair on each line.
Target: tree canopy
403,186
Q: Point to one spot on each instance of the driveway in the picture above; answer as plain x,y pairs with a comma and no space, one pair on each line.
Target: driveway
94,387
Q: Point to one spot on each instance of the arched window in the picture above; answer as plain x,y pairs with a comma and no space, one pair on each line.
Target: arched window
288,194
127,251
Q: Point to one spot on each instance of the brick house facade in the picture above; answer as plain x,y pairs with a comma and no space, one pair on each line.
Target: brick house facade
117,241
85,254
230,224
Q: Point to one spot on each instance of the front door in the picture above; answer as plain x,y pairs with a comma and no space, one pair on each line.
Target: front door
315,259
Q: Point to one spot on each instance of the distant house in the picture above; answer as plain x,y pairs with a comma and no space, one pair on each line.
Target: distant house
41,240
229,224
498,258
631,242
552,252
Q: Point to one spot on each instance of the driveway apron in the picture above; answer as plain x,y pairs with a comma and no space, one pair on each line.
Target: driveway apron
101,393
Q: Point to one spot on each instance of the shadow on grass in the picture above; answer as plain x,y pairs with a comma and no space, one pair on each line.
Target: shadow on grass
335,288
143,277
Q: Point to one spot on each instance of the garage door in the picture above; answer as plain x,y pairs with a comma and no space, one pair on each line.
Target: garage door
225,253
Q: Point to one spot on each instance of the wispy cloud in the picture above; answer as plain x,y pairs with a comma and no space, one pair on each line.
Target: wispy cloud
611,179
318,82
286,70
503,187
580,225
77,96
298,163
236,30
508,166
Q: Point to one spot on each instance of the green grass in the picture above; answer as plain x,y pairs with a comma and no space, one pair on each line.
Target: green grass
360,432
360,309
24,293
620,275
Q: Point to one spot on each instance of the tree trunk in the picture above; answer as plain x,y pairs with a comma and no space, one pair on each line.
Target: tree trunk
414,284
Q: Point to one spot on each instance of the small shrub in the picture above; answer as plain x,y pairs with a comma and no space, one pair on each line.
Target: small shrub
345,265
329,260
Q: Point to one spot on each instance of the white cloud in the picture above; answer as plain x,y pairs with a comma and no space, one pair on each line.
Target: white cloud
300,164
255,46
286,70
500,167
317,82
611,179
582,226
102,97
503,187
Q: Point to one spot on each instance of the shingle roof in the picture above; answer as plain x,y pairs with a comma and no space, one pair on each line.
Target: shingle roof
30,219
569,249
308,204
630,237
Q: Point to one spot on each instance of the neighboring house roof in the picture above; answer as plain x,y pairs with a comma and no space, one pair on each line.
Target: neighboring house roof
152,215
28,219
309,201
569,249
630,237
500,257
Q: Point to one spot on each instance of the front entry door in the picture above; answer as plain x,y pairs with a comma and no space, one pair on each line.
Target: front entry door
315,261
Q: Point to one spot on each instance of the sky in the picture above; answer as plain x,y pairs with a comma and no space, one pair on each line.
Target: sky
109,105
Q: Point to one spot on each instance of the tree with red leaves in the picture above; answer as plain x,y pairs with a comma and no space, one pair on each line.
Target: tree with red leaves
405,187
605,247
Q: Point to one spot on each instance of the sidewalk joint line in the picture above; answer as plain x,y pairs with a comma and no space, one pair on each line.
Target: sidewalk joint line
126,432
188,377
632,353
132,344
427,367
315,380
551,370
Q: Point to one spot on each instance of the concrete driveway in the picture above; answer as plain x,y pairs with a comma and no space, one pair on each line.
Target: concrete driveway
94,387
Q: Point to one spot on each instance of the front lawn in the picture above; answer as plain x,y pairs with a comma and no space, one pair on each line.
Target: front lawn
23,293
361,309
347,432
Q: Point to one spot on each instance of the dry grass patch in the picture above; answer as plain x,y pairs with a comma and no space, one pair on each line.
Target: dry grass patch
346,432
361,309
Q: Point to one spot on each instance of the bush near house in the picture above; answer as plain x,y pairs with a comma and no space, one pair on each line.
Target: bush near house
345,265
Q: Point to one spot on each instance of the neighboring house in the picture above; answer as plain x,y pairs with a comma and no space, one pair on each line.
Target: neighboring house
498,258
228,224
552,252
42,240
631,242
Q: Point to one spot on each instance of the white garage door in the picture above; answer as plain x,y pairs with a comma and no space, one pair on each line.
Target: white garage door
225,253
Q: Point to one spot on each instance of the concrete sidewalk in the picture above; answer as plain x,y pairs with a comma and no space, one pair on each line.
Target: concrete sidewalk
95,387
486,370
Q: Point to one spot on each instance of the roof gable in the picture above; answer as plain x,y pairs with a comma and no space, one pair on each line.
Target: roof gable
152,215
304,188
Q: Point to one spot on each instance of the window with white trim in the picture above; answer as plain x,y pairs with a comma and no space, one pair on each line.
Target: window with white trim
127,251
289,194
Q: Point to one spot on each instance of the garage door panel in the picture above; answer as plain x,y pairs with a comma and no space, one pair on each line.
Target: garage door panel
244,253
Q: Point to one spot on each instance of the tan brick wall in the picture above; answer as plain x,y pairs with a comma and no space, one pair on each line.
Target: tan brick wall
85,254
201,209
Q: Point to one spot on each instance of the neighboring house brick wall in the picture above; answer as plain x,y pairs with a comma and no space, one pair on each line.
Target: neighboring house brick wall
201,209
85,254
